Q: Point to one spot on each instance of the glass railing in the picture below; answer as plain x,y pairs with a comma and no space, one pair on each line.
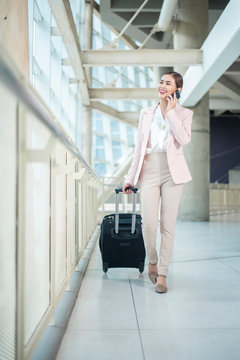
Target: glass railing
224,198
48,212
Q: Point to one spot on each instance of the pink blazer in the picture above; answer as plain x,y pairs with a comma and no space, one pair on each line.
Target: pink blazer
180,120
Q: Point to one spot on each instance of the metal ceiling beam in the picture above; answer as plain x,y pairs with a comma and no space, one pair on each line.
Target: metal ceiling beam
223,104
228,88
234,69
62,13
126,39
123,94
127,117
215,102
114,42
133,5
117,18
127,93
147,57
220,50
166,14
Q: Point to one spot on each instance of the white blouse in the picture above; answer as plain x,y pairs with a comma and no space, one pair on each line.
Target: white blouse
159,132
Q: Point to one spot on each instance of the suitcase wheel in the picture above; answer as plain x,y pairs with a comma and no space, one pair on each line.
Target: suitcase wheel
141,267
105,267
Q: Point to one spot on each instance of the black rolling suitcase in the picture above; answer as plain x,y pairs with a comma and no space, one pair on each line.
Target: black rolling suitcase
121,241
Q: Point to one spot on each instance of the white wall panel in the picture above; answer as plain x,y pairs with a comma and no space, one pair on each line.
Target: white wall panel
37,227
8,163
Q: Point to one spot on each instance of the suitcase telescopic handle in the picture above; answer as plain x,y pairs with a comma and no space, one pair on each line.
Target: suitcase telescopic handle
118,190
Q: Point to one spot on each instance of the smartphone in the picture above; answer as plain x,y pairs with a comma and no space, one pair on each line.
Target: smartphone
177,94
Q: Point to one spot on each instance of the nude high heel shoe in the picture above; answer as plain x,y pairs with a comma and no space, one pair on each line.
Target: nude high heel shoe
152,275
160,288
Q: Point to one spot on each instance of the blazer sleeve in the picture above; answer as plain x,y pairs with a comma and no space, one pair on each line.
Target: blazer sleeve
181,129
136,154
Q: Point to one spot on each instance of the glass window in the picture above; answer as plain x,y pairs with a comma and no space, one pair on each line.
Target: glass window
50,78
99,147
127,105
100,168
106,34
121,45
130,135
55,84
111,74
113,103
115,128
116,148
137,76
96,83
94,41
125,83
76,7
97,24
97,121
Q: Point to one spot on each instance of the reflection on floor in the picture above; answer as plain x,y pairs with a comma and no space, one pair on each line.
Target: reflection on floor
119,315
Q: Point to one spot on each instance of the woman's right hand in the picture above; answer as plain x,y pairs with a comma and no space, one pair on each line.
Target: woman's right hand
127,191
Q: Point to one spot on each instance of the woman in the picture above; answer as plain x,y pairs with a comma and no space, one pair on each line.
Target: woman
159,165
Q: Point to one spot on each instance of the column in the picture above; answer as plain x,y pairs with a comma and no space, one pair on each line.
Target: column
158,72
87,111
191,31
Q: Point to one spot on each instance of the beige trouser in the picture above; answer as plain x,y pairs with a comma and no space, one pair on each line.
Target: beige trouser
155,183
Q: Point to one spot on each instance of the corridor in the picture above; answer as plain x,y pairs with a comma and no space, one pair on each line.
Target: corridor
119,316
87,89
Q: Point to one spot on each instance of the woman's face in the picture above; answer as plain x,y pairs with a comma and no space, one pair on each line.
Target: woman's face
166,86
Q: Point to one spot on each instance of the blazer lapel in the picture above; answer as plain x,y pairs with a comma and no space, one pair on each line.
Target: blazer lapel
170,136
148,117
149,114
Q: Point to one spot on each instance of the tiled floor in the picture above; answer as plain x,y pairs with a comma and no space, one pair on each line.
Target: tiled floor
119,316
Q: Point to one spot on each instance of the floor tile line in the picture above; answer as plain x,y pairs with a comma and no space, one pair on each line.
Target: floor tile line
229,266
211,258
135,310
189,329
103,329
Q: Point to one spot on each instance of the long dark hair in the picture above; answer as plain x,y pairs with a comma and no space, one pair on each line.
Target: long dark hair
177,77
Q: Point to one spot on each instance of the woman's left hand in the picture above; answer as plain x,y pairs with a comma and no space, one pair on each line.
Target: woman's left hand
172,101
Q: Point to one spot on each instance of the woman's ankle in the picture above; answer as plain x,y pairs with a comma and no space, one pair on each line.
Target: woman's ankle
153,266
161,279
